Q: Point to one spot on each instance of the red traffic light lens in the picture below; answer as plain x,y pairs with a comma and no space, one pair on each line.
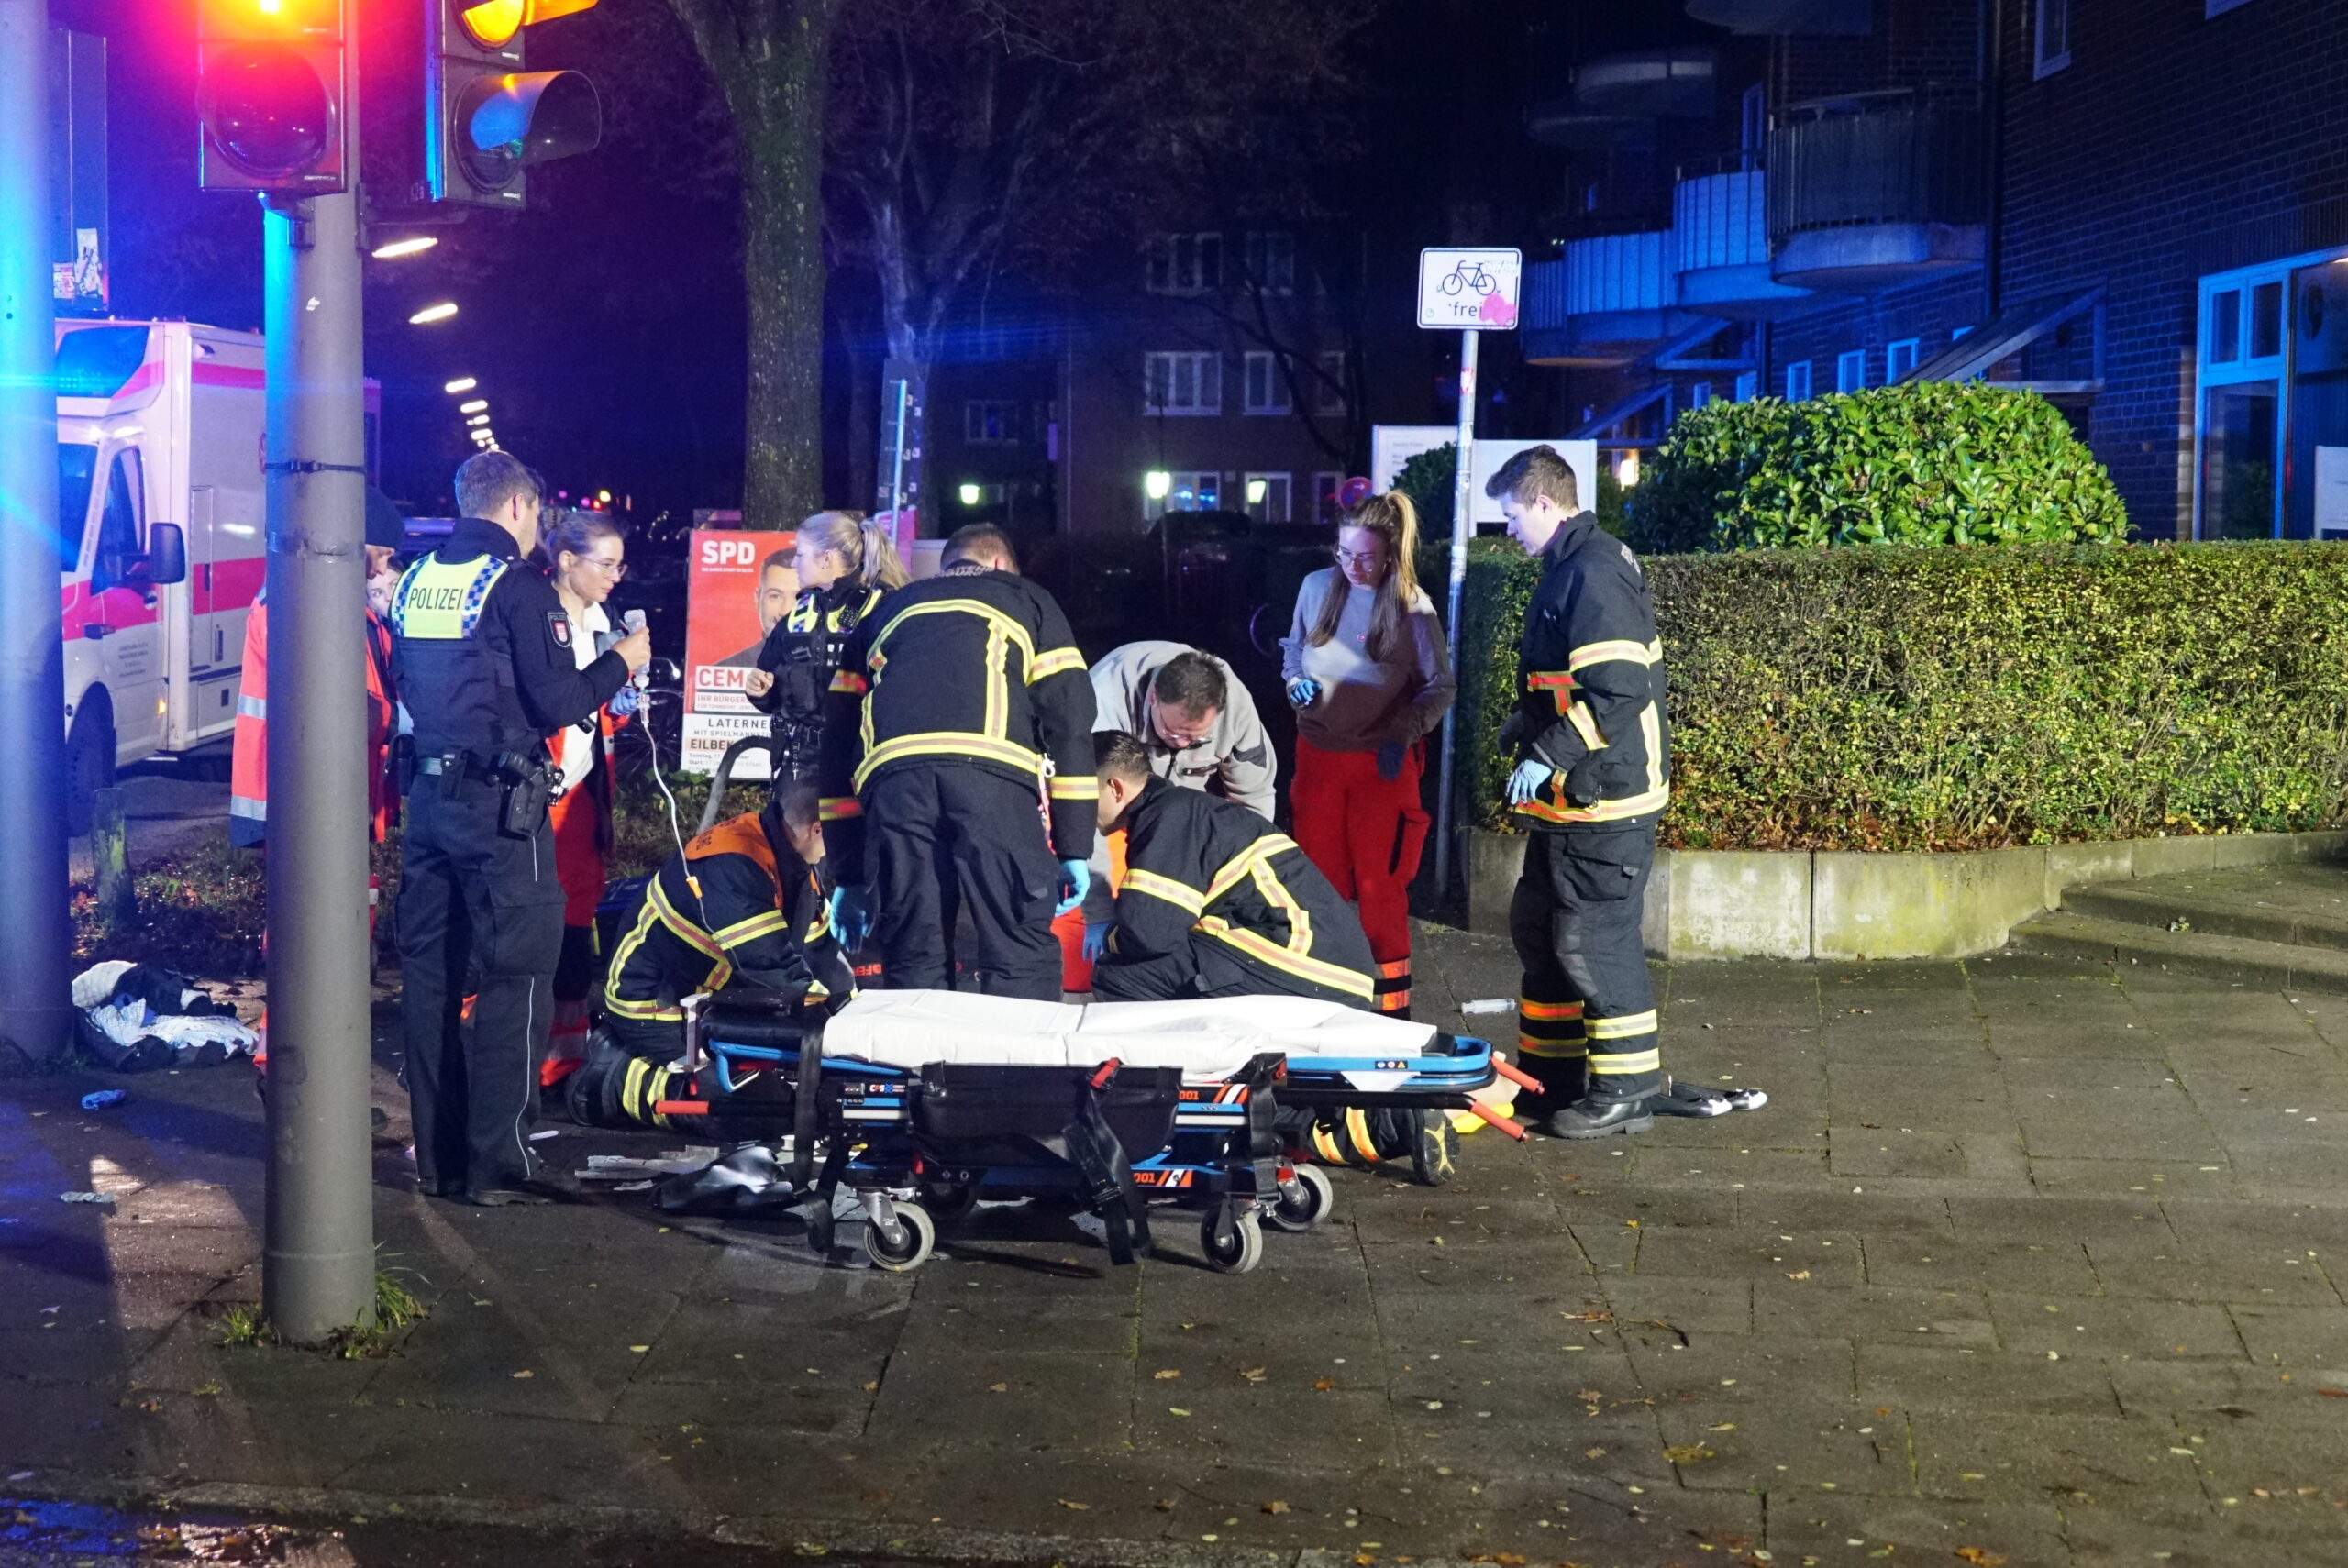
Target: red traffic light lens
269,115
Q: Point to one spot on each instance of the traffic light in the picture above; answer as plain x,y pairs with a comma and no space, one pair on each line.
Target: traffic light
486,118
273,95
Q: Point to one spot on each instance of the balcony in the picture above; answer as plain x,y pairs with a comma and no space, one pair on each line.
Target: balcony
1876,190
1650,83
1719,245
1565,121
1608,302
1807,18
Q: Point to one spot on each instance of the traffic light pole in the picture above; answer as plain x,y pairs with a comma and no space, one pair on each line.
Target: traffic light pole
35,1007
318,1259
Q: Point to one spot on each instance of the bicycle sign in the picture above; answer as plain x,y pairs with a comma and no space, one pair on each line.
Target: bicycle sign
1470,289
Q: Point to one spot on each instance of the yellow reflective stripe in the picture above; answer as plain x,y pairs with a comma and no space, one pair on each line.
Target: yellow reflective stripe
1603,811
1264,951
644,1011
1550,1049
1075,787
847,682
1548,1008
1626,1062
1276,893
1621,1028
1057,662
1651,732
684,929
1181,895
751,930
1239,865
1585,724
988,613
837,807
1619,649
948,743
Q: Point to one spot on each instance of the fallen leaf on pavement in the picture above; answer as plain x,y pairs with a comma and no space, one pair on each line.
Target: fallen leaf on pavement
1170,1372
1256,1374
525,1374
1975,1555
1799,1274
1322,1384
1687,1452
1079,1508
1176,1410
1722,1427
2334,1393
1276,1507
1589,1394
998,1387
1165,1505
1593,1453
639,1350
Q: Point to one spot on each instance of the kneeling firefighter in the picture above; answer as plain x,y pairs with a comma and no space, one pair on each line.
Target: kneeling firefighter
743,905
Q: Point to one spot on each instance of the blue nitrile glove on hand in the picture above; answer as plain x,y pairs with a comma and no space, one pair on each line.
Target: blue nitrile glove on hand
624,701
1531,776
1303,691
1076,880
1096,939
851,916
1390,759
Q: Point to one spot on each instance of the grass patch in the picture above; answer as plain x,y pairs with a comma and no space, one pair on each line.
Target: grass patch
244,1325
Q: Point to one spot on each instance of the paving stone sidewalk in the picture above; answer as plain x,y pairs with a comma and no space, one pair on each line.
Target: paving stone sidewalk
2026,1261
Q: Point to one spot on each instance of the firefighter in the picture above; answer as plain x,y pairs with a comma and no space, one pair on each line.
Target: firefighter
974,730
1217,901
846,562
486,674
1201,731
1369,675
1592,752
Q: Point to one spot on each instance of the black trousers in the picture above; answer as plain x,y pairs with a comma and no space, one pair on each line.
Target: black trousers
1206,969
1586,994
475,905
949,842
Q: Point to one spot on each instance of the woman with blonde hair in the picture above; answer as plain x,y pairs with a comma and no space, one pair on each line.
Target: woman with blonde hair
845,561
1369,675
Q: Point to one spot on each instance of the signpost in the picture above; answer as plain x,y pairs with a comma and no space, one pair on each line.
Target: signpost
1471,291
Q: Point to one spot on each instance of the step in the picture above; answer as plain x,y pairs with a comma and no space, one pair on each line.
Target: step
2234,959
2203,904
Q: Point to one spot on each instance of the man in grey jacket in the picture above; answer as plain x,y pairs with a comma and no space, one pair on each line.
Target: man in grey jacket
1201,730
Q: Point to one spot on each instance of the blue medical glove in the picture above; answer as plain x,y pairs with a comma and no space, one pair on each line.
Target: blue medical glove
1531,776
1096,939
1389,760
851,915
624,701
1076,880
1303,691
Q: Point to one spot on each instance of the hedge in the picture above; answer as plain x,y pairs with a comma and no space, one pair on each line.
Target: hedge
1922,463
1968,699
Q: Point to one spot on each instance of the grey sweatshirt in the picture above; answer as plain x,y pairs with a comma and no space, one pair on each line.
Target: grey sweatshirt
1363,704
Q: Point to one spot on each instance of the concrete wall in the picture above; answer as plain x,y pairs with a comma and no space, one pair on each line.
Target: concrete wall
1850,905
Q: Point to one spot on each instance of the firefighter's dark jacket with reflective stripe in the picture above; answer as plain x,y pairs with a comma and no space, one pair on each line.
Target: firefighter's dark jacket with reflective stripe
969,668
1200,868
482,650
738,906
1590,689
805,648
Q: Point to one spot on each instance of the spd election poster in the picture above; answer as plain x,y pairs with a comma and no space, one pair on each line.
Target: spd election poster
740,585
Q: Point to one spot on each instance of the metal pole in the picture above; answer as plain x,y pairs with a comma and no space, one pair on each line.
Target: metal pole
318,1266
35,1009
1463,528
897,468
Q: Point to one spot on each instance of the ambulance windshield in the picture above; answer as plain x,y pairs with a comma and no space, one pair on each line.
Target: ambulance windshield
77,467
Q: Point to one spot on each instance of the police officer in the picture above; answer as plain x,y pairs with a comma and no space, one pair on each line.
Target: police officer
486,673
1593,752
976,723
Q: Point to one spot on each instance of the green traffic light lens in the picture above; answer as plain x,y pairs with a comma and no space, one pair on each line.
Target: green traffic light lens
270,114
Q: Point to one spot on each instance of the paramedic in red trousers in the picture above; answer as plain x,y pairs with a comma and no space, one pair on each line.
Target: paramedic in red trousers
486,676
1367,670
249,744
1201,729
1592,753
586,556
976,727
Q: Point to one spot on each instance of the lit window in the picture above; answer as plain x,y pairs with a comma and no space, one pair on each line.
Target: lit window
1898,358
1851,370
2050,36
1267,497
1267,388
1797,382
1182,383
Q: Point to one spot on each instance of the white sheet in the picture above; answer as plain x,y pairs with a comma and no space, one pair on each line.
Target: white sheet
1205,1039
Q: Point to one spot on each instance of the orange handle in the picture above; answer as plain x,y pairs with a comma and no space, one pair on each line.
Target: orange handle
1494,1119
1521,1079
680,1108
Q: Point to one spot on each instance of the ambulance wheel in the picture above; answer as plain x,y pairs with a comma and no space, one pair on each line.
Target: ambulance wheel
1304,1202
89,761
917,1238
950,1201
1236,1253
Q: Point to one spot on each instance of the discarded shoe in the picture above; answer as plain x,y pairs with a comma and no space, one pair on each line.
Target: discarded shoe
1689,1100
1593,1117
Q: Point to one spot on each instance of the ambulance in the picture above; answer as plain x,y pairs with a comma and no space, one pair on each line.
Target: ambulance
160,537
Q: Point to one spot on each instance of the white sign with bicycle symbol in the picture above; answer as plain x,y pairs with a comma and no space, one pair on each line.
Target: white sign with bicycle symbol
1469,289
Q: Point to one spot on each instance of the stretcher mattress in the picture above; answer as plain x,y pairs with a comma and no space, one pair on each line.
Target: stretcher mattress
1206,1040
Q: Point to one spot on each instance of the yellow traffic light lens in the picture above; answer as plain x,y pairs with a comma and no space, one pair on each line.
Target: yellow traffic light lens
493,23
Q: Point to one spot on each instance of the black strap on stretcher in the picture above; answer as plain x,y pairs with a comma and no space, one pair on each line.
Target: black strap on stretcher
1089,1143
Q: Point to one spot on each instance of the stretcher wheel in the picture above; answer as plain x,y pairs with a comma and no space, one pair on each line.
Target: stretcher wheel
1233,1252
950,1201
1304,1202
916,1237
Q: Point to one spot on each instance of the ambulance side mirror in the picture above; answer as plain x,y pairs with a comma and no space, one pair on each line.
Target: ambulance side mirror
165,561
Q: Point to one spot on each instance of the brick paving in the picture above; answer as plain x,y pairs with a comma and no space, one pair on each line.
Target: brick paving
2025,1261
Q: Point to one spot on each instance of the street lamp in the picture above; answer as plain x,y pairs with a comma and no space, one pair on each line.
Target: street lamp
478,419
969,495
1157,484
1257,489
475,406
462,384
433,313
410,247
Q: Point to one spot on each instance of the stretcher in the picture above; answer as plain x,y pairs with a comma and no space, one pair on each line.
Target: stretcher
920,1103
